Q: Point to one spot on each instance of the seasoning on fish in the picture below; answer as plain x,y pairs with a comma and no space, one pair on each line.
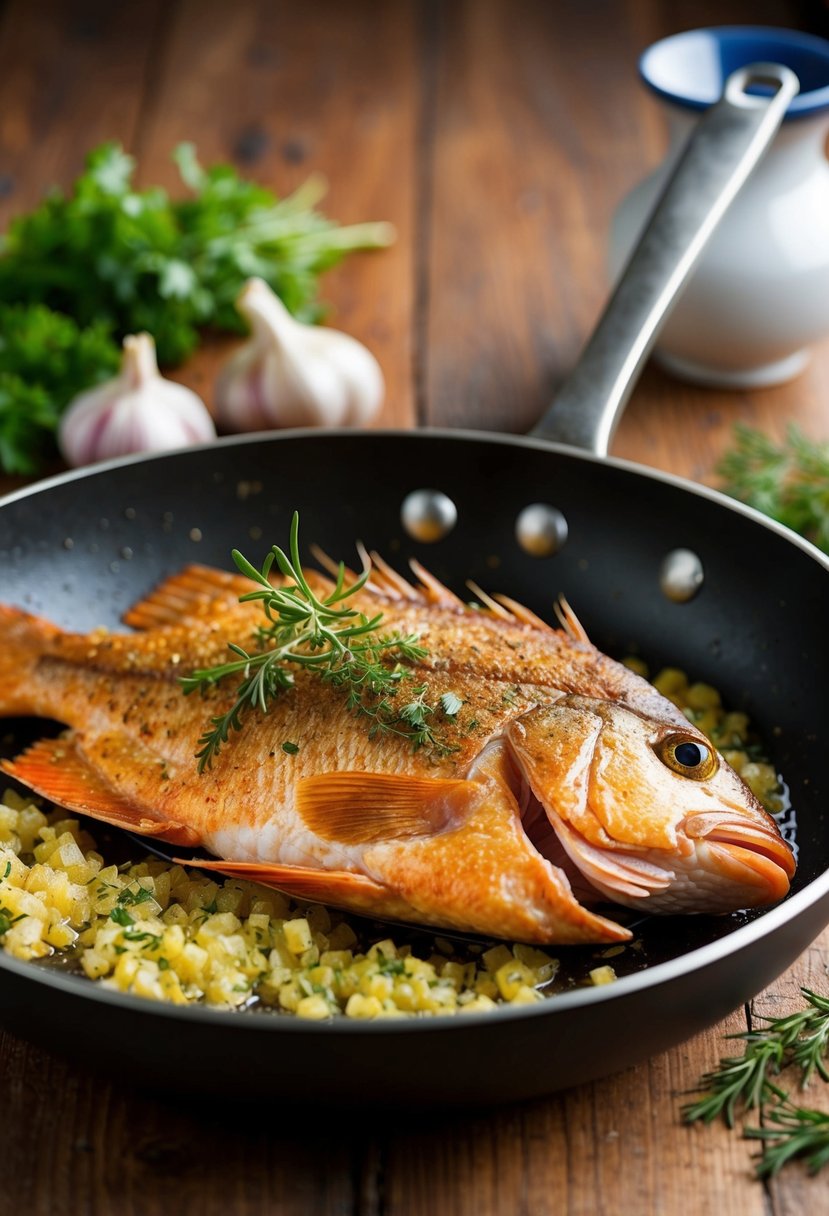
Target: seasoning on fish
563,779
323,635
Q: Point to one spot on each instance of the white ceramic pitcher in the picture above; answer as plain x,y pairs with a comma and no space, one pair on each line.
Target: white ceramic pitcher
759,296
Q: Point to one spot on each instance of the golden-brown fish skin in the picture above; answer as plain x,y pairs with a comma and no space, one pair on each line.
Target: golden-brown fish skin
432,836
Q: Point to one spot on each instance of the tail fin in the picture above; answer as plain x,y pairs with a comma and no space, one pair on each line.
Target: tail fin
23,639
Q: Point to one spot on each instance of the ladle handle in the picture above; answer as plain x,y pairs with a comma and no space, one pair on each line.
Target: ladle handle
725,146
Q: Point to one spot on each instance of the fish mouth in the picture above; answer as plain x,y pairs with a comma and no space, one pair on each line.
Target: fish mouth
734,841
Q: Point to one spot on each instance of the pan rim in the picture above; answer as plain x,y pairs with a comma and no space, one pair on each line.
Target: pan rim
671,970
419,434
627,986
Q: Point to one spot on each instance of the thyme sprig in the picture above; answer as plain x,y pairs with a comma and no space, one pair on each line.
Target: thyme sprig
798,1040
337,642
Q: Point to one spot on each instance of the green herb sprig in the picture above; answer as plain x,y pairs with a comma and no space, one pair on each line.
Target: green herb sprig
7,919
798,1040
792,1131
337,642
788,481
86,268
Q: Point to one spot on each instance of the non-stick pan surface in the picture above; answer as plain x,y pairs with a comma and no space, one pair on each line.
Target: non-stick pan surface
80,549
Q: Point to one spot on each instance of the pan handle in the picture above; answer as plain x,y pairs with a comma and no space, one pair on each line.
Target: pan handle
724,148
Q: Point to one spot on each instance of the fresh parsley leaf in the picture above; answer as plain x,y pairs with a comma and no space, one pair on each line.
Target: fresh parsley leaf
130,898
152,940
451,704
391,966
110,169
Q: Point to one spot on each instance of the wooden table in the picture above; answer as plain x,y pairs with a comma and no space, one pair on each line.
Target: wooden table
498,135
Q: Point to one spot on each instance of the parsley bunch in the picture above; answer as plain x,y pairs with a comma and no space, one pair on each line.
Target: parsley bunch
45,360
112,260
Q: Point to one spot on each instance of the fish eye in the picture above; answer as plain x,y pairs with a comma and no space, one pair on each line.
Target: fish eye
688,757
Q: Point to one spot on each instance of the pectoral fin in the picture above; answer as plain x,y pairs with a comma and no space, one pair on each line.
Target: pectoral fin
56,769
365,808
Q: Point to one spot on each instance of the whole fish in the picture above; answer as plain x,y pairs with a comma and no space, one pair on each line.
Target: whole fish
564,780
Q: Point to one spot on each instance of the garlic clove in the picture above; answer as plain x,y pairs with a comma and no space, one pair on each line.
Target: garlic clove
291,374
137,411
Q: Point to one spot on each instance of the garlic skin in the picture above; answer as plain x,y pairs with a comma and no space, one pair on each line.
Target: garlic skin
137,411
291,374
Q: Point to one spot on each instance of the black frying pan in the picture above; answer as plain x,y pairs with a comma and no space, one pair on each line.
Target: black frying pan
83,547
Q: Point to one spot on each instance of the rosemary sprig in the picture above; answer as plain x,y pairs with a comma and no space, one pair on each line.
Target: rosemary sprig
797,1040
738,1079
793,1131
337,642
789,481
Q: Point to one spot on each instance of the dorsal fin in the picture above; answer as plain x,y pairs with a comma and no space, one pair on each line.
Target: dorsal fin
57,770
570,623
330,566
190,594
364,808
434,590
488,602
386,581
523,614
382,579
386,578
200,592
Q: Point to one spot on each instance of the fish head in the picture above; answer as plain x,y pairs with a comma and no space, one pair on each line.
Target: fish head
645,809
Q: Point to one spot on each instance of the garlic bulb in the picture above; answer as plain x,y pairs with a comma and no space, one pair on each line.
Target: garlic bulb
137,411
290,374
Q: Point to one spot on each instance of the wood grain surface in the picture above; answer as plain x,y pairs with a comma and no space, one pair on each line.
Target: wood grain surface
498,136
